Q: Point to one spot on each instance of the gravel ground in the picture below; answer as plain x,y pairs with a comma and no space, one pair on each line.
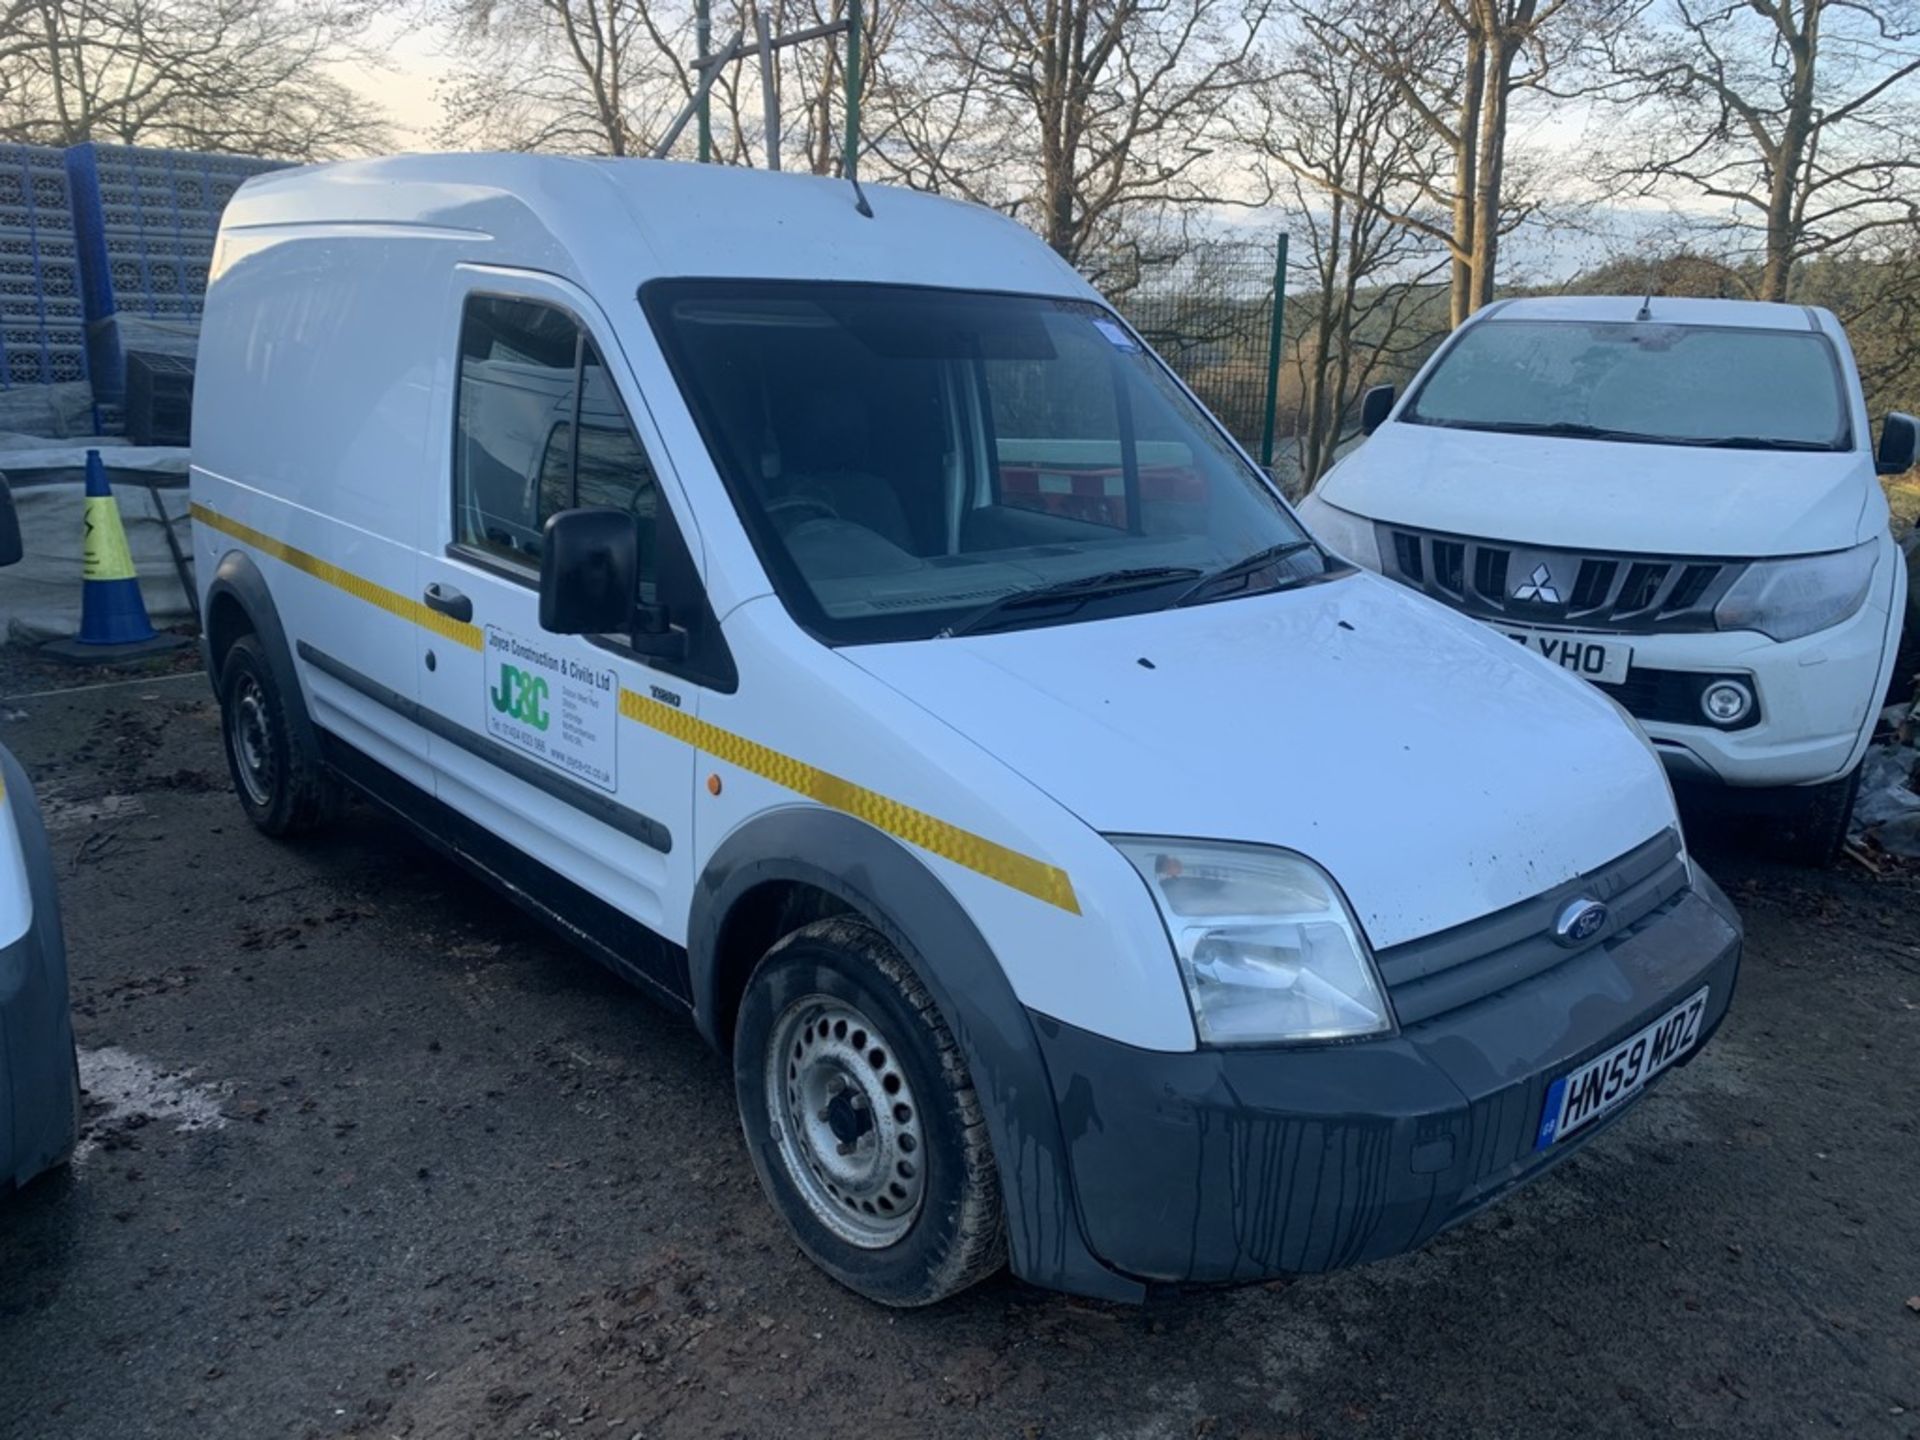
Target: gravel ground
369,1154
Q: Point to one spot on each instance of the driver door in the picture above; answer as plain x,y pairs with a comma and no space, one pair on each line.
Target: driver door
529,741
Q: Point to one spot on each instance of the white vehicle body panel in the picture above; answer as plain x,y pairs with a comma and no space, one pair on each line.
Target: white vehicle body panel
1818,693
1584,494
1404,752
16,896
1436,771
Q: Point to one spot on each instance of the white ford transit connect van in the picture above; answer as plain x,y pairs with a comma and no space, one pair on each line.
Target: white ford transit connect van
846,629
1676,499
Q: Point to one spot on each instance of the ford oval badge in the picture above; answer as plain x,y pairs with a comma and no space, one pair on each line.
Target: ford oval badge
1580,921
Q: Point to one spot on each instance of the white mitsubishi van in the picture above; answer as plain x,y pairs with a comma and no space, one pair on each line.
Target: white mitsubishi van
1676,499
840,624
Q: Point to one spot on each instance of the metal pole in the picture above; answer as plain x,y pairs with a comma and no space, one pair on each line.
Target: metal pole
1273,353
852,160
713,66
702,40
769,95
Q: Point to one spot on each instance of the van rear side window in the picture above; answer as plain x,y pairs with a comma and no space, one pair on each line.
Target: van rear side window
539,428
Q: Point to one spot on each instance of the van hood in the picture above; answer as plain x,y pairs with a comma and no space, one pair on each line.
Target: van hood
1435,769
1598,495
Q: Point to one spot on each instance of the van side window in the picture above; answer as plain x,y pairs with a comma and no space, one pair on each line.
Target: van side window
539,428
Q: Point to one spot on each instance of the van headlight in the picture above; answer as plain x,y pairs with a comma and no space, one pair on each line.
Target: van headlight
1266,944
1785,599
1351,537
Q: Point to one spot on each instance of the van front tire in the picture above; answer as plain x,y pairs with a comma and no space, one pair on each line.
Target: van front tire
861,1118
283,785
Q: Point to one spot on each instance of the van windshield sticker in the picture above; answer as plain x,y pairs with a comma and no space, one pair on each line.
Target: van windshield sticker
553,706
1118,338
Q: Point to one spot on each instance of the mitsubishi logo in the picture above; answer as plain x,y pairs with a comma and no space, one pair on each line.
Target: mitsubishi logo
1538,587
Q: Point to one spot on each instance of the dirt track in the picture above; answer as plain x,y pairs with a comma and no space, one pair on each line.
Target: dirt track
370,1154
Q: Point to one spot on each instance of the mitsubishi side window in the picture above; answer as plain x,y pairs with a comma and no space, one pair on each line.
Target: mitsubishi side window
539,429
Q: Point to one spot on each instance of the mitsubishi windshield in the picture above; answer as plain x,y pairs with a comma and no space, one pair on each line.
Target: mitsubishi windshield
913,462
1733,387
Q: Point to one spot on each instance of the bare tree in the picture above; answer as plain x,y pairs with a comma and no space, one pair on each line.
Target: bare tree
1458,65
607,77
1071,114
247,76
593,76
1797,119
1354,164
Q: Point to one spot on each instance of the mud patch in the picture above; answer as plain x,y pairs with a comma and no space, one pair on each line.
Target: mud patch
65,817
124,1090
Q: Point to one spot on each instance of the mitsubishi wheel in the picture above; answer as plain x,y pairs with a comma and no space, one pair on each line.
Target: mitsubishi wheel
861,1119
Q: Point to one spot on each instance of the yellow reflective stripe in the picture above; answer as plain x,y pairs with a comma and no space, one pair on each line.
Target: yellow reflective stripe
987,857
392,601
963,847
105,555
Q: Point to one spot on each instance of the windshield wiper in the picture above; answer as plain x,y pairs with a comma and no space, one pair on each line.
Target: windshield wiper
1750,442
1239,569
1577,430
1562,429
1080,588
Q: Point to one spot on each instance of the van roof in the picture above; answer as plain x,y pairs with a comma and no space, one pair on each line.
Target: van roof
1664,309
614,223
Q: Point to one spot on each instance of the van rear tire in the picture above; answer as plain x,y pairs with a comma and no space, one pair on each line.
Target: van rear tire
861,1118
283,784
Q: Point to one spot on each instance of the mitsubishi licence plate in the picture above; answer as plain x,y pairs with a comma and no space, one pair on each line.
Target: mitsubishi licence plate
1603,660
1598,1086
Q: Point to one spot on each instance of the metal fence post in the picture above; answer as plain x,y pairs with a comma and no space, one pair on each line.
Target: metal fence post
1273,353
703,43
852,159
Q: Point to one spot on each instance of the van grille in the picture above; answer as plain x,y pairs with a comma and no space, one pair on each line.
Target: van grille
1437,974
1495,580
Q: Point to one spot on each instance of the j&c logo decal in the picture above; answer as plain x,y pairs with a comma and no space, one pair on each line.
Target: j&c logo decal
522,696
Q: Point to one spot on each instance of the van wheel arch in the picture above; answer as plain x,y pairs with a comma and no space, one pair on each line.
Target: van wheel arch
239,603
809,856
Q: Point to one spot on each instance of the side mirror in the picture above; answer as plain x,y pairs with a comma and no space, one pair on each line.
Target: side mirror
1899,444
1375,405
589,572
11,548
590,583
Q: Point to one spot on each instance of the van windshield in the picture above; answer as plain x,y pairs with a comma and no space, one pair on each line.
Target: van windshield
1717,386
914,462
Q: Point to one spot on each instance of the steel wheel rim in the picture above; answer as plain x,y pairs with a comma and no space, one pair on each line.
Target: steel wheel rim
845,1121
247,734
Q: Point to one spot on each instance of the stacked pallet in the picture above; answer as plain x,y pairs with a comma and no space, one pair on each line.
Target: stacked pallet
42,322
146,221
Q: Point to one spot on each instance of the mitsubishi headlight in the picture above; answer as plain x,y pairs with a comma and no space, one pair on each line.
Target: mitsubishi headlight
1266,945
1785,599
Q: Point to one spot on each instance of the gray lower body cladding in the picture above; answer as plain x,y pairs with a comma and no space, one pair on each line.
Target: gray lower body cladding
1237,1165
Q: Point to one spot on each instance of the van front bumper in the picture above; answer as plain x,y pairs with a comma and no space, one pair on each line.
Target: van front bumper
1236,1165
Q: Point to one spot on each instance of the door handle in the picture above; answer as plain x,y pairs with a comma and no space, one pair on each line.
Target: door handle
449,601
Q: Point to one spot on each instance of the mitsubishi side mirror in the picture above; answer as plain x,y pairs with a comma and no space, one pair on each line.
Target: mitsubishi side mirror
1899,444
11,548
1375,406
590,583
